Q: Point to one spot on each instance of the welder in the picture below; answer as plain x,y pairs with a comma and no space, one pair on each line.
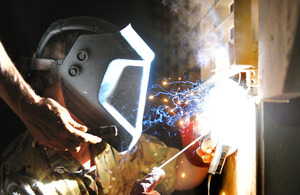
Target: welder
86,72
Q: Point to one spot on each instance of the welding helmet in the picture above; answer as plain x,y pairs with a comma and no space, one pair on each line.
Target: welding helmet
103,77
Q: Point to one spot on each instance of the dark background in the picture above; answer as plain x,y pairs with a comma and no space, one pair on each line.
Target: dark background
23,22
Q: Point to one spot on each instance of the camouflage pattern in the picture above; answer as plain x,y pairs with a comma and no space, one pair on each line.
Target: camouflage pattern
28,168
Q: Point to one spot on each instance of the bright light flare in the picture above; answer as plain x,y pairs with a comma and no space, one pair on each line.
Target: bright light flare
229,112
151,97
183,175
181,122
221,59
230,117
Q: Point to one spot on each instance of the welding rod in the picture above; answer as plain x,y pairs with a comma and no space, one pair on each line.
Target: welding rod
180,152
149,182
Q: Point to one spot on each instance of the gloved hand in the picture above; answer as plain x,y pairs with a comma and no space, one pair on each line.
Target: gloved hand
147,184
201,153
207,149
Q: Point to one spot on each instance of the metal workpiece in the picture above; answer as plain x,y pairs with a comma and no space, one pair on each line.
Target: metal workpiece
279,136
218,161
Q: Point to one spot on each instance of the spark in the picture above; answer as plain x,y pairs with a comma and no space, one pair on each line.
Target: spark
181,122
217,108
182,99
151,97
183,175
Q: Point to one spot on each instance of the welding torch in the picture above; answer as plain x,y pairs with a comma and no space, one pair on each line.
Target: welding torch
218,161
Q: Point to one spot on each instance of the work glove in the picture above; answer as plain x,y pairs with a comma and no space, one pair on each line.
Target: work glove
201,153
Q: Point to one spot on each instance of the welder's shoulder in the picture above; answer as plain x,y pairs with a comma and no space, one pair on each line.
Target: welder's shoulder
21,164
127,168
155,146
20,152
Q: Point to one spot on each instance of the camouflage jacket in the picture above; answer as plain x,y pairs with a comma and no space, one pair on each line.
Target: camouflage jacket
33,169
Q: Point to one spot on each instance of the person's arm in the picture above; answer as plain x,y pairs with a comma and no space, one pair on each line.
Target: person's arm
188,176
193,164
46,120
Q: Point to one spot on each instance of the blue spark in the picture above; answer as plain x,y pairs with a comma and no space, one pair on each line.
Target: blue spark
174,102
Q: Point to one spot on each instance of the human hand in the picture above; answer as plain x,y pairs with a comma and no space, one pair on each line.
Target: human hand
147,184
153,192
207,149
52,125
49,122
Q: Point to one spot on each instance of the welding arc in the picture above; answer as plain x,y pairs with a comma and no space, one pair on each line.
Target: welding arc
180,152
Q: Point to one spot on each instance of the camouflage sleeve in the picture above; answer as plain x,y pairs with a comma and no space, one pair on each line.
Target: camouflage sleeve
155,153
119,172
24,169
13,168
